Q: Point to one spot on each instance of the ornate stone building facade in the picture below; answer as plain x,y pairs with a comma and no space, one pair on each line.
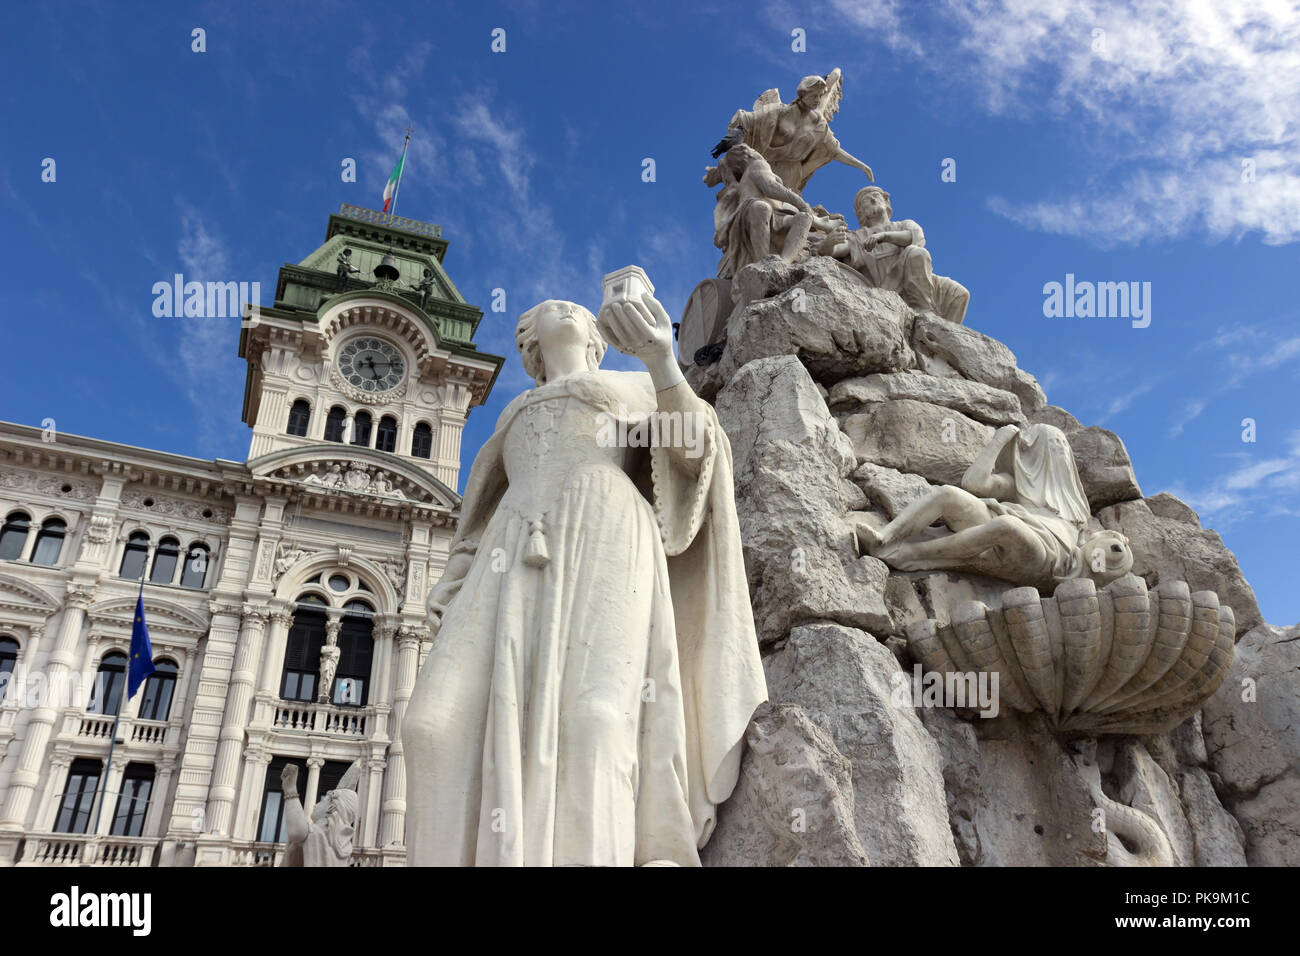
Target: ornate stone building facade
284,594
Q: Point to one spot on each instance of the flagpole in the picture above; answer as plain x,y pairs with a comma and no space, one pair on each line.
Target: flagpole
392,210
117,719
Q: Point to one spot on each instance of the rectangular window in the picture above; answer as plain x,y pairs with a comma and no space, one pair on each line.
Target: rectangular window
78,796
133,801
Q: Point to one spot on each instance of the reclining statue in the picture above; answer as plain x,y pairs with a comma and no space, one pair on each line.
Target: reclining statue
1020,515
892,255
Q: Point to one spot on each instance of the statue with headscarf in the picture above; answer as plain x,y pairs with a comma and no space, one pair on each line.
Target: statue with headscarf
324,839
1020,515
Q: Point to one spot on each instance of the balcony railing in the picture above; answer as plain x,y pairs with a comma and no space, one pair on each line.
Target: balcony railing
149,731
322,718
377,218
270,854
137,731
79,849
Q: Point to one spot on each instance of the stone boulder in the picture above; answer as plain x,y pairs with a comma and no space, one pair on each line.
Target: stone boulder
1251,739
820,311
790,458
937,443
793,804
958,350
1173,549
986,404
844,678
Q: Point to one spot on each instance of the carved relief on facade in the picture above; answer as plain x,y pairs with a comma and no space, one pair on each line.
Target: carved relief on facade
48,484
353,477
175,507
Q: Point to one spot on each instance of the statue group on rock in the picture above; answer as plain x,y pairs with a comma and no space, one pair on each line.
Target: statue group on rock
767,158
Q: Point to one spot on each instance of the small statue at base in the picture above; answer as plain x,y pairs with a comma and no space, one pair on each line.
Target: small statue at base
345,269
326,838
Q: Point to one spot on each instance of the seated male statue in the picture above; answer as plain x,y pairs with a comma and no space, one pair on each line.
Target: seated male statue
892,255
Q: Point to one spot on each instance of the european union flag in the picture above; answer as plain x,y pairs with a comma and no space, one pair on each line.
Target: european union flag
141,651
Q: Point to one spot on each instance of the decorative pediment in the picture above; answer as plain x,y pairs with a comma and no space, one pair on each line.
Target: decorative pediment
23,596
351,470
164,617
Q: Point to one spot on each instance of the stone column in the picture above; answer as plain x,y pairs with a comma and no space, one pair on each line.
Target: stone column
250,787
221,797
313,781
277,635
394,799
59,763
158,798
23,781
372,780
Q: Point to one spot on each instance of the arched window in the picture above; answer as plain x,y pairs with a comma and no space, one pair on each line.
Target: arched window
302,655
196,566
356,646
107,692
386,435
164,561
422,441
8,660
14,535
49,541
135,555
334,423
156,703
133,800
361,429
78,796
299,418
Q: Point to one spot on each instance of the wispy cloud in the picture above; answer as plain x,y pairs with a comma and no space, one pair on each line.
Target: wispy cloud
1174,102
1248,351
1253,486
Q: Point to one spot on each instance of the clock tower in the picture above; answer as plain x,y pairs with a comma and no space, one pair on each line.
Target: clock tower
369,346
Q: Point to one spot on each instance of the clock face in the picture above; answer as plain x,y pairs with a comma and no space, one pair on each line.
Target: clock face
371,365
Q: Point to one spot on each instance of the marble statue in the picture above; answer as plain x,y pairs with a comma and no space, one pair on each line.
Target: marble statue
795,138
324,839
892,255
756,214
595,664
1020,515
329,661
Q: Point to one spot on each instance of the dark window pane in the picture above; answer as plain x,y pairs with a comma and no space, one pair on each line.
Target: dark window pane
270,827
156,702
361,429
78,797
133,801
49,542
302,655
8,659
133,558
164,561
299,418
422,441
14,535
196,567
386,436
356,649
106,693
334,424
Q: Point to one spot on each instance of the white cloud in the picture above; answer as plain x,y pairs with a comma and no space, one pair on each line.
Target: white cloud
1169,98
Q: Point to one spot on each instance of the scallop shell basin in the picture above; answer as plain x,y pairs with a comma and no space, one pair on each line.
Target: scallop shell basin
1121,660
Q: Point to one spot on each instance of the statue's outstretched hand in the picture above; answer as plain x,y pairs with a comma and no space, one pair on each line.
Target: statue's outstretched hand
289,780
641,329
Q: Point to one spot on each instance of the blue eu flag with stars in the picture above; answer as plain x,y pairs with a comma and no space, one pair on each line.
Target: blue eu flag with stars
141,651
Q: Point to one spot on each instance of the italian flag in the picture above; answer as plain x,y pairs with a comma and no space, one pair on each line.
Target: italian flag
391,189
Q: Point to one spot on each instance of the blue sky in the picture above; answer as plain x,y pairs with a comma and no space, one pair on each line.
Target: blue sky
1114,155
